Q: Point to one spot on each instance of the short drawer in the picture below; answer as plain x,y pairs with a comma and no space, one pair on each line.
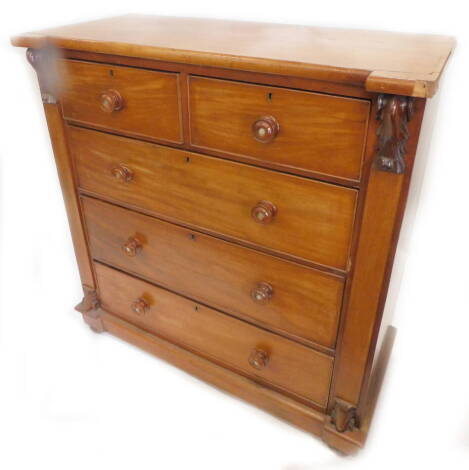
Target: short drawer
293,129
301,217
245,348
276,294
133,101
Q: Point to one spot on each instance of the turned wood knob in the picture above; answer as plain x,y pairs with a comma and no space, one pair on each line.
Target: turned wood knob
132,247
262,292
122,173
265,129
263,212
111,101
258,359
140,306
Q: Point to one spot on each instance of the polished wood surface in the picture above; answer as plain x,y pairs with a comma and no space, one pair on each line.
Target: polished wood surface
65,169
301,415
381,61
382,215
303,302
314,220
140,102
300,130
235,193
290,366
282,80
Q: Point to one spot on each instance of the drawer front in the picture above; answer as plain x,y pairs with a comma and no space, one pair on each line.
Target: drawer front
135,101
295,129
305,218
234,343
280,295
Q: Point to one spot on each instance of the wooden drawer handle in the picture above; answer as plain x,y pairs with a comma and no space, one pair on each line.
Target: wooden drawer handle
122,173
140,306
258,359
265,129
262,293
132,247
263,212
111,101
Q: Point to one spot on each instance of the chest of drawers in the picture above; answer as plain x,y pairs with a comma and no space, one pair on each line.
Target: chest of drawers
235,193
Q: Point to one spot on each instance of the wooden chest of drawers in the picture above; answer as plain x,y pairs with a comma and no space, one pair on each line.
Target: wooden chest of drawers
235,193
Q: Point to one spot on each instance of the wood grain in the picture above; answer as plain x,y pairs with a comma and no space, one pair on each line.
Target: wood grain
314,220
336,55
305,303
320,133
298,414
287,81
150,100
241,267
291,366
65,170
382,215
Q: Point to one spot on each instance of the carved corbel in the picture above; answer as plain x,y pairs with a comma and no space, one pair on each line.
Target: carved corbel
42,62
33,56
89,307
344,416
394,114
48,98
89,302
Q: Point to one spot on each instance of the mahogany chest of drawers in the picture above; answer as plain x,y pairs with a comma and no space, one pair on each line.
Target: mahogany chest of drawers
235,193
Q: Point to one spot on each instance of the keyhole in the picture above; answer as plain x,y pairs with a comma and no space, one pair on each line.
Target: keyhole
111,73
269,96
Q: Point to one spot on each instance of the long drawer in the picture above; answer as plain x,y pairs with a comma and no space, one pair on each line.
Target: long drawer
307,219
267,357
293,129
276,294
144,103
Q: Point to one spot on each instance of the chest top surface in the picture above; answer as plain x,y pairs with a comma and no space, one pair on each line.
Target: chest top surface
384,62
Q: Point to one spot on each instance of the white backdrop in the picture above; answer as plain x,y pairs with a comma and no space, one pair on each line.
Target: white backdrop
73,399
